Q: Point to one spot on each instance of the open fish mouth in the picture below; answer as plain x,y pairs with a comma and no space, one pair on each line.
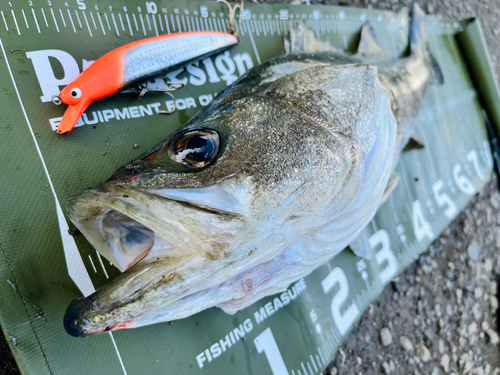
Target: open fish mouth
162,240
121,222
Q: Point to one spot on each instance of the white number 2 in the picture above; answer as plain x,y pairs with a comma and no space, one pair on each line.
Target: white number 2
266,343
342,321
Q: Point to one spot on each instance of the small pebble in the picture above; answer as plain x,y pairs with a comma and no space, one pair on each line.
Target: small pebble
494,339
395,286
476,311
493,287
385,336
473,250
406,343
445,362
441,347
425,354
494,303
386,367
467,367
478,292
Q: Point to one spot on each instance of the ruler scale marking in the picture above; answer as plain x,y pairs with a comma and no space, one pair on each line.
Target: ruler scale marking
71,20
142,24
36,21
77,17
92,263
253,45
135,21
178,23
167,25
107,21
161,22
114,23
100,22
25,19
62,17
121,21
155,26
15,22
129,25
317,359
4,21
93,19
87,22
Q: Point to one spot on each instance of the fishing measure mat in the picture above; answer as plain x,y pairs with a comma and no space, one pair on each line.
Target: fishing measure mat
45,44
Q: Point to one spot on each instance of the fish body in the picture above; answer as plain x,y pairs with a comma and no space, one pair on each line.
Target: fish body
277,175
133,64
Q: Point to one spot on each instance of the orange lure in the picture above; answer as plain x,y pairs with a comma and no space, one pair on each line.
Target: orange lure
133,64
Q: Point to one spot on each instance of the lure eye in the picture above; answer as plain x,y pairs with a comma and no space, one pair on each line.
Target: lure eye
76,93
195,148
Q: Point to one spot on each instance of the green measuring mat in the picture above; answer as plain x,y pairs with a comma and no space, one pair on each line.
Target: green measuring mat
45,45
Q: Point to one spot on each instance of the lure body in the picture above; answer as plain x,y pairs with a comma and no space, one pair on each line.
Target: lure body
135,63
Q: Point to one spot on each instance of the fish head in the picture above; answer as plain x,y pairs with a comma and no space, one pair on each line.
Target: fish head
224,193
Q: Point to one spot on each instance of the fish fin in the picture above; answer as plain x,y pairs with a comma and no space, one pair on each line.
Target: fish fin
416,140
418,38
391,185
368,43
418,44
301,39
437,77
361,247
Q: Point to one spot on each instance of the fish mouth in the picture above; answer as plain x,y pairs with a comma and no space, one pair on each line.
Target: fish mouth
161,240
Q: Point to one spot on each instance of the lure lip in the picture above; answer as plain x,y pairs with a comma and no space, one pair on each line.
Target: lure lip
71,116
107,75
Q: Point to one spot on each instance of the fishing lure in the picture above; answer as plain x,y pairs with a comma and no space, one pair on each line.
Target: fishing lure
130,65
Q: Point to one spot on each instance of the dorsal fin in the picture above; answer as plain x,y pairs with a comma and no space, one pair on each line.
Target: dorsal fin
418,43
301,39
368,43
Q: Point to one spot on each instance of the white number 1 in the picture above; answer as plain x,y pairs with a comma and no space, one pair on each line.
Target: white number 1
266,343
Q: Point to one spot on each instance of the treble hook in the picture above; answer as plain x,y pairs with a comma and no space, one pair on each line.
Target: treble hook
232,13
171,86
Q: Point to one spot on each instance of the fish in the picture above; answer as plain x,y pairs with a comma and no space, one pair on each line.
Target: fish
279,173
133,64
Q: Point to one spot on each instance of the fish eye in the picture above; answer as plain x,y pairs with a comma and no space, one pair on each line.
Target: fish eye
76,93
195,148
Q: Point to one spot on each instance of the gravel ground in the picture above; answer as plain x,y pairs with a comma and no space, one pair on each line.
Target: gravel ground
440,316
